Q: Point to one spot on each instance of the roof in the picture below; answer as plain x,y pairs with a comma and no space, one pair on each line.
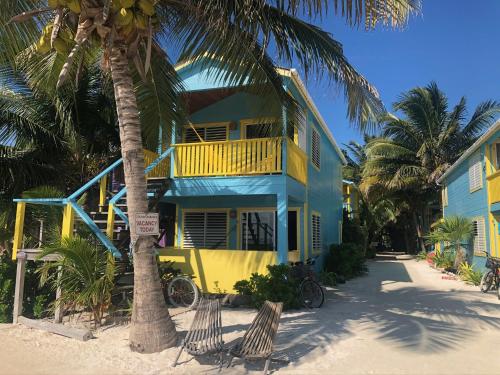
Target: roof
294,75
492,130
347,182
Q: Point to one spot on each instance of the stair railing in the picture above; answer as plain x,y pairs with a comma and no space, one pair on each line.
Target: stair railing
112,207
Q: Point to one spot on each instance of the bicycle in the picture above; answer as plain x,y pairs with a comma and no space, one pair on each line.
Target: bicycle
491,278
183,292
311,293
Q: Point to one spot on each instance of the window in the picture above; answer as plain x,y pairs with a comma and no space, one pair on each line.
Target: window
479,239
206,230
444,196
258,230
496,148
475,173
206,133
316,233
316,149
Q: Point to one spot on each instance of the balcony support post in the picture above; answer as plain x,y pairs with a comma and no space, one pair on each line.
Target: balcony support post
282,225
172,155
284,137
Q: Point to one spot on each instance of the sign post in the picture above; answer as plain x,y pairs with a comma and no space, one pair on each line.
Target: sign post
147,224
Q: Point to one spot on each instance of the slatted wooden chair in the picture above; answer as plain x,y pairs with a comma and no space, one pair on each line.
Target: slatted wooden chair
257,343
205,334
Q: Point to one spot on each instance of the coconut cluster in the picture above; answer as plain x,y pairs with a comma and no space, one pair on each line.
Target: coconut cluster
128,16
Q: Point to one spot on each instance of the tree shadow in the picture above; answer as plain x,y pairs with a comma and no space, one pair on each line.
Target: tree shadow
404,317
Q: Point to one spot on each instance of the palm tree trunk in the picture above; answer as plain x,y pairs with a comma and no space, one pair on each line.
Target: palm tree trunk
152,329
418,228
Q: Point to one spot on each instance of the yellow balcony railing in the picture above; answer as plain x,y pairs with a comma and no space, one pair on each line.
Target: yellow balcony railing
161,170
241,157
494,187
296,162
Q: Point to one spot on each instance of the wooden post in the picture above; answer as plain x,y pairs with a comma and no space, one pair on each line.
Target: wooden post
68,221
103,184
110,225
58,315
18,229
19,290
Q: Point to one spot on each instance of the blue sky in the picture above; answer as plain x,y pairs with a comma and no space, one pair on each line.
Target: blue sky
453,42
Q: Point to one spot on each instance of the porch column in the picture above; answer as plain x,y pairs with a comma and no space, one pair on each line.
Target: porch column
172,154
282,225
18,229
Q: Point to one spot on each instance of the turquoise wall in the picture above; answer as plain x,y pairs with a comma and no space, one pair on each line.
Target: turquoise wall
462,202
233,203
323,192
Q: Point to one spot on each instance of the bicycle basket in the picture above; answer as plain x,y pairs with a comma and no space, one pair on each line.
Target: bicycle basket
489,263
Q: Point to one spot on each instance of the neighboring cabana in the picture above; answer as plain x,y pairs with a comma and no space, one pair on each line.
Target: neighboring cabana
471,188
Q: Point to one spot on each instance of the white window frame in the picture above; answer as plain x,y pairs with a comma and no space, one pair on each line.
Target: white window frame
444,195
475,173
205,213
316,242
479,237
315,155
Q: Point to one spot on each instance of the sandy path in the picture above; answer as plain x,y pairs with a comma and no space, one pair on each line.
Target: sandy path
400,319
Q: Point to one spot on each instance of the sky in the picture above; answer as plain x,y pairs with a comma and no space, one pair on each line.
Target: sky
453,42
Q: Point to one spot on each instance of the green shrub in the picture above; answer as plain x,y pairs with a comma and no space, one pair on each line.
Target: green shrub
421,256
7,279
469,274
328,278
87,277
444,259
36,298
276,286
346,260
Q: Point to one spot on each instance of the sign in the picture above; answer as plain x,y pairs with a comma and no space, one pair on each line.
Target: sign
147,224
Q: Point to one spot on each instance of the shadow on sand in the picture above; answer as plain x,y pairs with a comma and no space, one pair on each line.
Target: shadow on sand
408,317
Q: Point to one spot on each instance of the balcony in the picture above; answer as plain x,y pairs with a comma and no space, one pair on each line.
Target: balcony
493,182
262,156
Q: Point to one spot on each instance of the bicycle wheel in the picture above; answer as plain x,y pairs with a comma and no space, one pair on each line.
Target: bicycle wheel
183,292
312,294
487,281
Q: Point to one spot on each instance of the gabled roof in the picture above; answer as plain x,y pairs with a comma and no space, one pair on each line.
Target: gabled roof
492,130
294,76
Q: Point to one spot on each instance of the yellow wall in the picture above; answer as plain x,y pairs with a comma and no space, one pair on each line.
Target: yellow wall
218,270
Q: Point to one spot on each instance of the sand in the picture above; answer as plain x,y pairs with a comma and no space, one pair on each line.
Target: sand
402,318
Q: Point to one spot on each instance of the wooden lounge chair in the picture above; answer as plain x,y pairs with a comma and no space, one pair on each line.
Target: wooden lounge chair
257,343
205,334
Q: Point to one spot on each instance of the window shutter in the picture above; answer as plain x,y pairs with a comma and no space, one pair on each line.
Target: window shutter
208,134
475,173
444,196
206,230
479,235
216,232
316,149
216,133
316,233
194,230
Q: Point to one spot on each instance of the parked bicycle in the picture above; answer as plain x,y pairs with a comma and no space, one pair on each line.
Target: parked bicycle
491,278
311,293
183,292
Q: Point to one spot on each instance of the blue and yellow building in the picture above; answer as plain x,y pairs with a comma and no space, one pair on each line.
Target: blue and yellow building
471,188
239,195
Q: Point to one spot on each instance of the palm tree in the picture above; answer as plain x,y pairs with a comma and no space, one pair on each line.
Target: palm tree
54,139
236,34
454,230
416,149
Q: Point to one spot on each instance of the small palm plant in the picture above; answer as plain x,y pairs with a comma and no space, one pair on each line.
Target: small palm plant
454,231
87,275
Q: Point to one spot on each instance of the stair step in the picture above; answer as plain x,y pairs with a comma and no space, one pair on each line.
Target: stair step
117,222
